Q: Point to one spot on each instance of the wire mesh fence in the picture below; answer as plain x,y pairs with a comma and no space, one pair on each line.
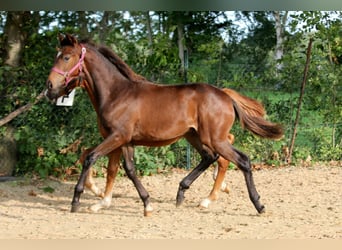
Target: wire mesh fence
51,138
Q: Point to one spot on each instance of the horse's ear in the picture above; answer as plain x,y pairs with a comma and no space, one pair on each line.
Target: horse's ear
71,39
60,37
67,40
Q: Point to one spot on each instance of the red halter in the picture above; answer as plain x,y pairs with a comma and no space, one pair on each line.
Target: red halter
66,74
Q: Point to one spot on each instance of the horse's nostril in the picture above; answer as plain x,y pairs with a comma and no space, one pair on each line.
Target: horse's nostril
49,83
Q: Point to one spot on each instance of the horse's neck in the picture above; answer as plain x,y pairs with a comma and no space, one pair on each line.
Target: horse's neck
105,80
89,87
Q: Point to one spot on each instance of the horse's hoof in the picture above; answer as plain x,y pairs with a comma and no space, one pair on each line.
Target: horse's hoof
179,199
205,203
224,188
261,209
95,208
75,208
148,211
103,204
179,202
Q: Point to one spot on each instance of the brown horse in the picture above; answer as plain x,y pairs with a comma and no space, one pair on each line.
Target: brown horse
138,112
112,169
249,105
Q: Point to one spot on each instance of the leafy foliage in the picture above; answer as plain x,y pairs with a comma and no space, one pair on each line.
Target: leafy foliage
45,135
153,160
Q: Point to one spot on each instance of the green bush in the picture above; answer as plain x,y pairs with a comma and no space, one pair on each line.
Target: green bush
52,129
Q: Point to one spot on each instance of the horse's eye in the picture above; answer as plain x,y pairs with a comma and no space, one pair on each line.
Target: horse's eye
66,58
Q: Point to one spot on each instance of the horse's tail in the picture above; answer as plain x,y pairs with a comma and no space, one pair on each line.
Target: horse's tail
250,113
249,105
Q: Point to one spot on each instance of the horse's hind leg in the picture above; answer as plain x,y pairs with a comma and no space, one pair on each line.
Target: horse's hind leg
113,167
208,157
219,184
242,161
218,177
245,166
128,153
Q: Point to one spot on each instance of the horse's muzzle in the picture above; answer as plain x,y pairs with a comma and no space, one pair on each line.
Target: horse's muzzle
50,95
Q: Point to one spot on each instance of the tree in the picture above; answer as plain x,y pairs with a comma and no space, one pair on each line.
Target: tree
149,29
280,23
220,53
181,45
19,25
82,19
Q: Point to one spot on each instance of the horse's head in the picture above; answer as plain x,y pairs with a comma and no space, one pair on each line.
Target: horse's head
65,73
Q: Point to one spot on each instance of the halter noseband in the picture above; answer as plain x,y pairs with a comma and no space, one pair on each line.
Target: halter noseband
67,74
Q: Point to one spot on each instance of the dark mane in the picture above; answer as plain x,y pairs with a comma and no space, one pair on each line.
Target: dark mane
88,41
120,64
124,69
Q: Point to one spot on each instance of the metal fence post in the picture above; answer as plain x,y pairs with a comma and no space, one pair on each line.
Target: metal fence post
186,65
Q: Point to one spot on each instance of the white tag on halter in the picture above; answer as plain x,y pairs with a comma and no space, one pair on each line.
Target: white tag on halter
66,100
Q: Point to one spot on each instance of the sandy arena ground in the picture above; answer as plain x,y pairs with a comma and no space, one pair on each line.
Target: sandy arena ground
301,203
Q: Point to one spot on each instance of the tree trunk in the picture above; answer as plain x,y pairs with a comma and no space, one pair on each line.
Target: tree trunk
181,47
149,30
103,27
19,25
150,39
82,19
8,152
15,37
280,22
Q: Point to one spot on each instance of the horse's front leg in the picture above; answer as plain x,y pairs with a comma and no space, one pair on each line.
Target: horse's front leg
79,188
89,182
112,170
110,144
128,154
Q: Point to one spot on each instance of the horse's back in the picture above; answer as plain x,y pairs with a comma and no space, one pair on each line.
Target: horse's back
198,92
197,101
